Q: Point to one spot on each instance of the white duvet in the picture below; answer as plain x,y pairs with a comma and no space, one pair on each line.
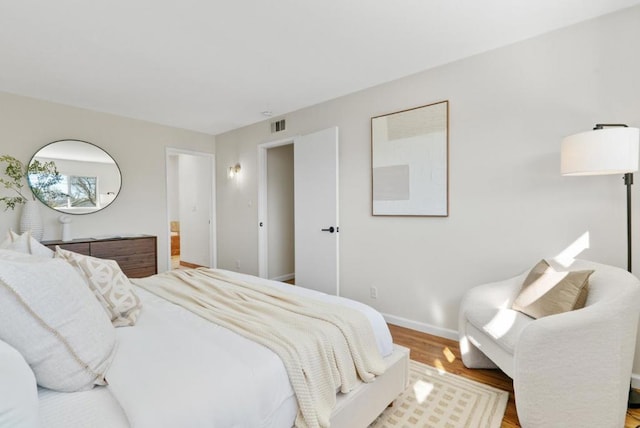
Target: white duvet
174,369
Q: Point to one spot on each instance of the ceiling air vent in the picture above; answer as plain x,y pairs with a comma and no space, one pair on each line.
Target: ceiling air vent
278,126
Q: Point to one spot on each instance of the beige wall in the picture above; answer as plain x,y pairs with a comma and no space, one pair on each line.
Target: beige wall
280,211
138,147
509,205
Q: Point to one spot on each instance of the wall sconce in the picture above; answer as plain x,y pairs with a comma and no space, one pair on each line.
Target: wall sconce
234,170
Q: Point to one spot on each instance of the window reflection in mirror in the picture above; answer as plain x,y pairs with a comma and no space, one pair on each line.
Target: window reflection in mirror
89,179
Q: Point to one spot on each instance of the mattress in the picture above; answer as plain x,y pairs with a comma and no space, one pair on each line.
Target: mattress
169,348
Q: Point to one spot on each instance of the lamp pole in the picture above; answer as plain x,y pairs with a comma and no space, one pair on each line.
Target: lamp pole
634,396
628,181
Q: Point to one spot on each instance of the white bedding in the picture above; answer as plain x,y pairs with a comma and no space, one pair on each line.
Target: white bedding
232,382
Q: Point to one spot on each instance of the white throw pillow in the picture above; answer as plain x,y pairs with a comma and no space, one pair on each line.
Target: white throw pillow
109,284
48,315
7,240
18,390
25,243
15,242
19,256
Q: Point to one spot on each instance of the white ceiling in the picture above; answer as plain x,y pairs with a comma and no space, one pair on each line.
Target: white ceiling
213,65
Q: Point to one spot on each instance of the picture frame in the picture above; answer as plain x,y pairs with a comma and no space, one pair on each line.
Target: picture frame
410,162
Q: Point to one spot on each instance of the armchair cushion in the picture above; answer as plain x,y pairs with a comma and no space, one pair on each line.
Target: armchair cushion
504,326
548,292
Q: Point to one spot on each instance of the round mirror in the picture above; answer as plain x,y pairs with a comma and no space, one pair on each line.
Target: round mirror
87,178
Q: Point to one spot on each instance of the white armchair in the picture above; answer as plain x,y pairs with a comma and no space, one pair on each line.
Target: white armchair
569,370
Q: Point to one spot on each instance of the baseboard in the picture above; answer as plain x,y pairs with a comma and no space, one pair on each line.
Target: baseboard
190,265
635,380
423,327
286,277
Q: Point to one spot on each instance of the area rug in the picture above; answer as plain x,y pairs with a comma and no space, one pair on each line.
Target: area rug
436,399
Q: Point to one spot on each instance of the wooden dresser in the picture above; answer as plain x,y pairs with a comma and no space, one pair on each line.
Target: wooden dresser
136,255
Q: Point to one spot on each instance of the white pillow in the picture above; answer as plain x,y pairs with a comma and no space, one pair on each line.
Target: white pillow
18,390
48,315
19,243
109,284
25,243
13,255
7,240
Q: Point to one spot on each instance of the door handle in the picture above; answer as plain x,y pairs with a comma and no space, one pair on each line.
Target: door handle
330,230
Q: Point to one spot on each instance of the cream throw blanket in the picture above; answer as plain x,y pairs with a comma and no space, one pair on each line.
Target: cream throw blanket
324,347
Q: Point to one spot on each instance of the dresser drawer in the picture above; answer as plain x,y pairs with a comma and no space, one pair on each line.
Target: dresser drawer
80,247
136,256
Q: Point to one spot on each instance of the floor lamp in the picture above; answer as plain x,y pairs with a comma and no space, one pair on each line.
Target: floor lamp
607,149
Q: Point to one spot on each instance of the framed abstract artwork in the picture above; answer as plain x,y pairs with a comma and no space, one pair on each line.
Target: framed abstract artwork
410,162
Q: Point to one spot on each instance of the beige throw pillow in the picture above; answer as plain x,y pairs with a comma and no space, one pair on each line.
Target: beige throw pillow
109,284
547,292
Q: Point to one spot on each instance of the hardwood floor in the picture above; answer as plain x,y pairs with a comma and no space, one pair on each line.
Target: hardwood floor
176,263
444,353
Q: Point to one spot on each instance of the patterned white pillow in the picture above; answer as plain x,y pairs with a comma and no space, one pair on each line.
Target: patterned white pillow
109,284
51,318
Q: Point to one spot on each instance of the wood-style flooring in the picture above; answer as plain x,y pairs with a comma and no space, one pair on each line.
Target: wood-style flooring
444,353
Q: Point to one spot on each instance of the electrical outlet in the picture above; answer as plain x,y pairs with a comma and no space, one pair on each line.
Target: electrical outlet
237,264
373,291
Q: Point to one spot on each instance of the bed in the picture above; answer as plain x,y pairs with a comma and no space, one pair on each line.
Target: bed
175,368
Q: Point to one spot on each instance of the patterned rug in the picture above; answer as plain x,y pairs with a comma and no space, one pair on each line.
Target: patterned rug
435,399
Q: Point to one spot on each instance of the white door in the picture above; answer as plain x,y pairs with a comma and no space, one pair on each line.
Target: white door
316,210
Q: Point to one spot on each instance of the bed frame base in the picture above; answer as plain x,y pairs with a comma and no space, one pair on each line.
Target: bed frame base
360,407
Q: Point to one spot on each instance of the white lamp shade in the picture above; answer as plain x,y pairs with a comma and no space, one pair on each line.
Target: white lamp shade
600,152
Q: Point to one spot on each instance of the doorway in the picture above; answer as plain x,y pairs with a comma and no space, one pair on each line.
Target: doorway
190,209
266,152
280,212
315,210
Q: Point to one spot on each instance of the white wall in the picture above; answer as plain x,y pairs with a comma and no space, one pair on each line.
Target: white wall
138,147
280,211
509,205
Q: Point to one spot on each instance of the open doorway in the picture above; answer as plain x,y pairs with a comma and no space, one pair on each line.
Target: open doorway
275,166
280,212
190,209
